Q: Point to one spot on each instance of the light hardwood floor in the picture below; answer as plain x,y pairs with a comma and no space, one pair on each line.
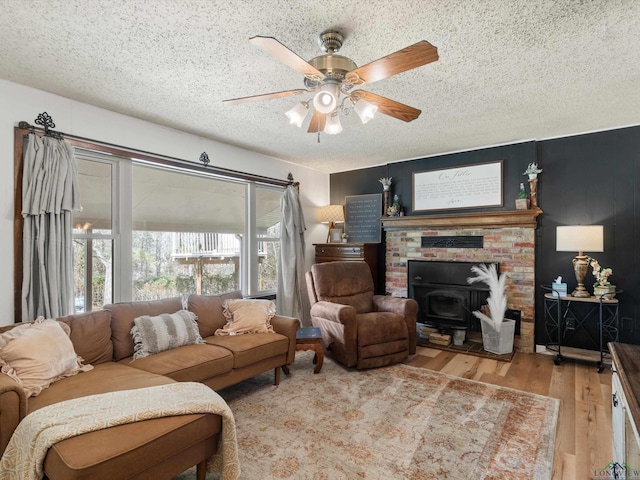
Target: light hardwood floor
583,436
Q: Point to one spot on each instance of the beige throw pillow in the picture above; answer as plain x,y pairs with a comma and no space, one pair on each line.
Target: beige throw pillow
153,335
37,354
247,316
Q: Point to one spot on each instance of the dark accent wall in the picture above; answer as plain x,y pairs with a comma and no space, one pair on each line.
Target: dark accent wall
586,179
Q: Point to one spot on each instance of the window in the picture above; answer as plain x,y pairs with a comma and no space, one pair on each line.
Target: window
148,231
93,238
268,236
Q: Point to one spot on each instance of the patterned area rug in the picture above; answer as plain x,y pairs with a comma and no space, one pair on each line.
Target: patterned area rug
397,422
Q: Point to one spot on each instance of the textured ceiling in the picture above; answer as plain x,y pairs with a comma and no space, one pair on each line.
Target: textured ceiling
509,70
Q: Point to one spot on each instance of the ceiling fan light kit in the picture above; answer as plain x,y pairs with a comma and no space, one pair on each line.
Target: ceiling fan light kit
333,125
333,80
365,110
298,113
326,100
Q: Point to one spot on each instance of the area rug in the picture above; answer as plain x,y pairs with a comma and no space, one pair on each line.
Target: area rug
397,422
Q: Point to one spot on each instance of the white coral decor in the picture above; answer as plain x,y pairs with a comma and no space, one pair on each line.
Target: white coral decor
386,182
497,300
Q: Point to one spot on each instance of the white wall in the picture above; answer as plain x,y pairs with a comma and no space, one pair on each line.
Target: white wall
18,103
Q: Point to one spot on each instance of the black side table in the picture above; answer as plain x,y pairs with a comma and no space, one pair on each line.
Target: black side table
562,320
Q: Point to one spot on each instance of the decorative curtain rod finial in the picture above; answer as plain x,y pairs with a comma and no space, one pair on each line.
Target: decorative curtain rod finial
45,120
290,181
204,158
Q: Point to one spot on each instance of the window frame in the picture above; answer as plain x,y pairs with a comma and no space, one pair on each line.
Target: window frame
123,246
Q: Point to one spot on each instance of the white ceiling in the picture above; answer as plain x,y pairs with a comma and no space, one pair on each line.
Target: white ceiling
509,70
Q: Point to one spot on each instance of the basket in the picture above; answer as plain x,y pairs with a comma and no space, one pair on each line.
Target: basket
500,342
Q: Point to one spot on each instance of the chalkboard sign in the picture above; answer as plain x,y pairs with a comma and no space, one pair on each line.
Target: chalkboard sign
362,217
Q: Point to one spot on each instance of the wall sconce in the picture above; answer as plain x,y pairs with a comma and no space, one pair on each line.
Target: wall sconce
331,214
580,238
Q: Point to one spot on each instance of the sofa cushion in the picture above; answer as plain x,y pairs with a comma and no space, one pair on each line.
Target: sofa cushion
192,363
91,335
146,449
105,377
250,349
123,314
37,354
208,309
166,331
247,316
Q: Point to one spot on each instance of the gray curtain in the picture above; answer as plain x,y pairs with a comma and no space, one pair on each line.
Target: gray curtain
292,299
49,195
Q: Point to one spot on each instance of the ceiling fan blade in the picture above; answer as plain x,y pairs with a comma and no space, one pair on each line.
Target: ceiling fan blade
389,107
286,56
266,96
408,58
317,122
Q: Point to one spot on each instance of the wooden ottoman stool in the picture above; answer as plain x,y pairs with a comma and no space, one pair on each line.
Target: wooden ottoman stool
310,338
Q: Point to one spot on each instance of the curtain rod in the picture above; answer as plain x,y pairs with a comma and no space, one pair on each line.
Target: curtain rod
120,150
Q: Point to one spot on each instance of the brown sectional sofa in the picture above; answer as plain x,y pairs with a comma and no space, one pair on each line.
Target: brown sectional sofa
159,448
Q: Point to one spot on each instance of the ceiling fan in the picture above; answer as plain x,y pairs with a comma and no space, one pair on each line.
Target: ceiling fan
335,80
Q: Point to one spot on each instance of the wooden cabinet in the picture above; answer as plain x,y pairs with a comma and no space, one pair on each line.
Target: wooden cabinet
333,252
625,406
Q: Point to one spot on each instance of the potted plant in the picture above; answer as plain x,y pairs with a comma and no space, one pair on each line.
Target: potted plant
497,332
602,287
386,182
532,171
522,202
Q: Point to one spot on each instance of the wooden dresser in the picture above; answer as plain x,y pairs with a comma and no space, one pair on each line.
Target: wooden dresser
333,252
625,404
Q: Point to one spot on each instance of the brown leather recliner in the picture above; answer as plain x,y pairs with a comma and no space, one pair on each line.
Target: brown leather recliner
359,328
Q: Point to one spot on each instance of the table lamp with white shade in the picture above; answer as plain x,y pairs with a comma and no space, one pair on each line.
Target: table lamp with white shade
580,238
331,214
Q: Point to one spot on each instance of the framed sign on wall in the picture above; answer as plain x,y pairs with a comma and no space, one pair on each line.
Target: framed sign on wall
362,218
469,186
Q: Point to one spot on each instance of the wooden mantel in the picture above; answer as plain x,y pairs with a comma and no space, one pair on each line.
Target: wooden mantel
498,219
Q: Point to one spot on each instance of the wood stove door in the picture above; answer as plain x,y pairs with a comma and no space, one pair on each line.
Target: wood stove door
443,308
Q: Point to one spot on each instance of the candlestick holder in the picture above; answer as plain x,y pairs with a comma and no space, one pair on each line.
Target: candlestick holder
533,187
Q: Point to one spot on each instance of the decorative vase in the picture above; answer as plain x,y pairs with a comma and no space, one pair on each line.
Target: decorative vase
522,203
607,292
499,341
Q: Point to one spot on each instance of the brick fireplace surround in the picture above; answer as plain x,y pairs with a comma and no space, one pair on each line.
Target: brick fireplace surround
509,239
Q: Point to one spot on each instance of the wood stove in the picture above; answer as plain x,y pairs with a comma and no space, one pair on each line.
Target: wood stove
445,298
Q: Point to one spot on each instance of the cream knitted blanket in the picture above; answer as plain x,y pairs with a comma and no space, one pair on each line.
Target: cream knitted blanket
37,432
